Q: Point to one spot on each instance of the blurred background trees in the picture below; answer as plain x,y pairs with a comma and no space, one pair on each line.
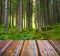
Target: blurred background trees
27,14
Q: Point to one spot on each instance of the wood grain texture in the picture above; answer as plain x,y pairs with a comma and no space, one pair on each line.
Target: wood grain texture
56,45
3,44
29,48
19,48
45,49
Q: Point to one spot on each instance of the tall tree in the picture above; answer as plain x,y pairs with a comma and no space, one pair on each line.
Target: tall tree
39,16
46,12
6,16
10,12
54,11
20,15
0,11
29,13
58,8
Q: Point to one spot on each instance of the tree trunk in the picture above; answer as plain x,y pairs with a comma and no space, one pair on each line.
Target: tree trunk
46,12
0,11
54,12
20,15
6,16
39,16
29,14
13,18
10,14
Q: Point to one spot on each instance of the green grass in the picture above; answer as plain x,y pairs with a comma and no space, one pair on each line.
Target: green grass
52,33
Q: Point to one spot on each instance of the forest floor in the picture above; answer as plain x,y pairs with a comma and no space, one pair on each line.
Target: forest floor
31,34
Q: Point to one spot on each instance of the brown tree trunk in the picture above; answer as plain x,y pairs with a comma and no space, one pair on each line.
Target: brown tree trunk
39,16
0,11
29,14
54,12
20,15
46,12
6,16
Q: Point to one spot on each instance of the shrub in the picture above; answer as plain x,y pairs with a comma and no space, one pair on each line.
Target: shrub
46,28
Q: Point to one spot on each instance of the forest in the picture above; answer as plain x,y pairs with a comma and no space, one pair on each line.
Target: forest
29,19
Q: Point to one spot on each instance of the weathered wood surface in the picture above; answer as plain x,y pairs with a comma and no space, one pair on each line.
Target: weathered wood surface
19,48
29,48
45,49
56,45
5,47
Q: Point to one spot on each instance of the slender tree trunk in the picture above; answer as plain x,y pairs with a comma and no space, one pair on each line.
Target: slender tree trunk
13,18
36,14
6,16
3,11
17,15
20,15
10,14
46,13
29,14
0,11
39,16
58,12
54,12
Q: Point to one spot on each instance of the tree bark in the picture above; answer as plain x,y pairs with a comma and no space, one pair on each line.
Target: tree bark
29,14
46,12
6,16
39,16
20,15
54,12
0,11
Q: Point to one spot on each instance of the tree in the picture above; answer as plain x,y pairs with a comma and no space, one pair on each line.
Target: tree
29,14
38,15
20,15
54,11
46,12
6,16
0,11
58,10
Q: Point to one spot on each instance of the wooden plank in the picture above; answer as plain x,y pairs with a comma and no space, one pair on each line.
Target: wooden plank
56,45
11,49
29,48
45,49
2,50
19,48
1,41
3,44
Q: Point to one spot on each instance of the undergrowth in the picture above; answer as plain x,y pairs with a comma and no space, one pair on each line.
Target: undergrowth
52,33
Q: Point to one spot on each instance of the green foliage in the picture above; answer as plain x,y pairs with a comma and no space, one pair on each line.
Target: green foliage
46,28
53,33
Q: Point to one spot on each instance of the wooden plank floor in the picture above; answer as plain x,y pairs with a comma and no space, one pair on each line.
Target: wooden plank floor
29,48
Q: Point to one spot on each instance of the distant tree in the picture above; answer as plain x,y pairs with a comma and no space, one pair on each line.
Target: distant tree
58,10
38,14
46,12
0,11
20,23
29,14
10,13
6,16
54,11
